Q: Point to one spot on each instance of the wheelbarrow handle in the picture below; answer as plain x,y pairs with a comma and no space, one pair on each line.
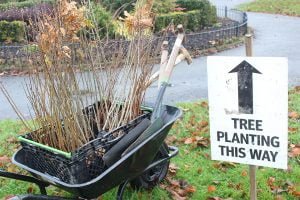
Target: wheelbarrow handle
42,185
173,152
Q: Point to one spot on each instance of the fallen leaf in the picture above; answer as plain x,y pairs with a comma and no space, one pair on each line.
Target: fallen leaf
296,193
204,104
4,159
179,189
244,173
206,155
295,151
214,198
202,141
203,124
12,168
297,88
30,189
271,181
294,115
189,140
173,182
293,130
171,139
223,166
211,188
173,168
12,140
190,189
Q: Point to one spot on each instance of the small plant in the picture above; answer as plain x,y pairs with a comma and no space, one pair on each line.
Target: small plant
12,31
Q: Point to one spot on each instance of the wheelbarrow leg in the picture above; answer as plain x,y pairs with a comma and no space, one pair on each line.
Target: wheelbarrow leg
121,190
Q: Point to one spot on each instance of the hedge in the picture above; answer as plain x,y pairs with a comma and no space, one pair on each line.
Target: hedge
192,20
194,4
12,31
23,4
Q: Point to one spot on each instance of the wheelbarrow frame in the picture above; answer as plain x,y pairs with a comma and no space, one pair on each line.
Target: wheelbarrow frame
119,174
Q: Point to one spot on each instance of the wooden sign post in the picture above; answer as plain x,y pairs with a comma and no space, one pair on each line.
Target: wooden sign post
252,168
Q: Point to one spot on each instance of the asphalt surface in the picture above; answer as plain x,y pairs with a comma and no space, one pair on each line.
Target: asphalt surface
275,36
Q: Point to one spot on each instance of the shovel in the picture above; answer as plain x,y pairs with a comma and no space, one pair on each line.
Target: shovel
156,117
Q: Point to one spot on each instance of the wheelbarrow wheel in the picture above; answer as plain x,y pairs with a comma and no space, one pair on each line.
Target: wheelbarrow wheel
154,176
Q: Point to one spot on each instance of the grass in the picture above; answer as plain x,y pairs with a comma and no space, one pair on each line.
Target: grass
209,178
284,7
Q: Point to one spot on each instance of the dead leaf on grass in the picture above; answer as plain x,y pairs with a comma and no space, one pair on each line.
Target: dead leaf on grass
244,173
4,161
293,130
189,140
204,104
179,189
13,140
295,151
294,115
296,193
173,168
30,190
223,166
211,188
203,124
171,139
271,181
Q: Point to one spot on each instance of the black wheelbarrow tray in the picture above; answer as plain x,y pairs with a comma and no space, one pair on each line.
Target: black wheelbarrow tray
144,165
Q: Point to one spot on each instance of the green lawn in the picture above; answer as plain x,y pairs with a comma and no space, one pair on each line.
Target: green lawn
192,174
284,7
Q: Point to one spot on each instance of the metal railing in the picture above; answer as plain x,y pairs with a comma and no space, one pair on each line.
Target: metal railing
235,26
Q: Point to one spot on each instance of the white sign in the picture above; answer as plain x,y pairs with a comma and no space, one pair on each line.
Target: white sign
248,109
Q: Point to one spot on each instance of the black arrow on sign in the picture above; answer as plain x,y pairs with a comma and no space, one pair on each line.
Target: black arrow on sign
245,86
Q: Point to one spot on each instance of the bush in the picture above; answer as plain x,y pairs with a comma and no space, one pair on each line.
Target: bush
12,31
113,5
26,14
208,11
23,4
102,21
193,4
193,20
164,6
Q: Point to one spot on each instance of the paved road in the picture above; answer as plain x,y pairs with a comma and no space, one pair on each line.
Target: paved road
275,35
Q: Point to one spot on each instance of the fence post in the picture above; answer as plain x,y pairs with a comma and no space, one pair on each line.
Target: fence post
237,31
226,11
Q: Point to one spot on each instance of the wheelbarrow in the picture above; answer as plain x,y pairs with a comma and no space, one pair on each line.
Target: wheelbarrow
144,166
142,161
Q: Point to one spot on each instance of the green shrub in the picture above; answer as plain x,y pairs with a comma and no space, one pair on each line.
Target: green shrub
163,6
12,31
193,4
22,4
113,5
102,21
192,20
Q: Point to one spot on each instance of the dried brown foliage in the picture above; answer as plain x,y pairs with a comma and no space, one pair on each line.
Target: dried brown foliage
58,92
